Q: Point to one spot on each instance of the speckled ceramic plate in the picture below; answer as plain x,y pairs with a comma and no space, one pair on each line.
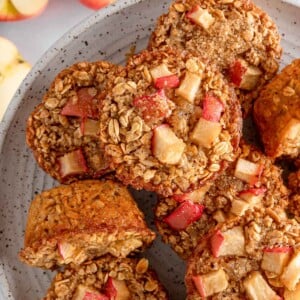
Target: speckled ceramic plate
109,35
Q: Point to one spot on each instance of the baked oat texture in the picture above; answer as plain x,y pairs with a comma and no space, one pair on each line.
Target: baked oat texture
141,282
277,113
63,129
219,200
226,32
83,220
136,111
249,238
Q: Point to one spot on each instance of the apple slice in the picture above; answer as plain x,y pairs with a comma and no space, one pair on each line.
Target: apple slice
170,81
275,259
200,16
230,242
166,146
212,108
184,215
9,54
248,171
292,295
153,107
258,289
291,273
189,86
85,105
86,293
116,289
8,12
211,283
96,4
205,133
160,71
72,163
29,8
89,127
243,75
10,82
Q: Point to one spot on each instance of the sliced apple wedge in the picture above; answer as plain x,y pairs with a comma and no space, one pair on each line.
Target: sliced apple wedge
8,12
96,4
258,289
248,171
9,54
184,215
86,293
116,289
291,273
230,242
166,146
211,283
29,8
275,259
205,133
200,16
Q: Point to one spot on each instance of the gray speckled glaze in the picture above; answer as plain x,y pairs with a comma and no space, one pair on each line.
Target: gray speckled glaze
107,35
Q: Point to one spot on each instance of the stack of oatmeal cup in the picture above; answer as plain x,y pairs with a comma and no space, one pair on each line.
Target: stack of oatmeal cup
171,122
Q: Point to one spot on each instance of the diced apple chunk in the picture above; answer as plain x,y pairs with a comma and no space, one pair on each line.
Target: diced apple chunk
253,196
243,75
212,108
117,289
201,17
166,146
205,133
248,171
170,81
72,163
194,196
219,216
291,273
230,242
189,86
239,207
275,259
86,293
66,250
258,289
211,283
292,295
89,127
160,71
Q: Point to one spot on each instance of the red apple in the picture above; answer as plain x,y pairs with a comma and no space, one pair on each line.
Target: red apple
96,4
72,163
185,214
170,81
216,242
166,146
85,105
212,108
13,10
116,289
199,285
153,107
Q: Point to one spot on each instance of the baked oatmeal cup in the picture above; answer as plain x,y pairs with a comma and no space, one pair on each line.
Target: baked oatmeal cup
107,278
236,35
82,221
252,181
252,257
277,113
171,124
63,129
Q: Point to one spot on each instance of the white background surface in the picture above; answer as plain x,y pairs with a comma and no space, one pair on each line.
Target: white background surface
34,36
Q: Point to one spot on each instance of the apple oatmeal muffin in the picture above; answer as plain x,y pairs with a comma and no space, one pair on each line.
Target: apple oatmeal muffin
252,181
63,129
252,257
277,113
236,35
81,221
171,124
107,278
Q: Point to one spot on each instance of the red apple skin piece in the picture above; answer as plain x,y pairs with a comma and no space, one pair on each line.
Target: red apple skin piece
212,108
236,72
191,12
254,191
79,159
154,106
171,81
184,215
85,107
94,296
216,242
199,285
283,249
96,4
110,289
